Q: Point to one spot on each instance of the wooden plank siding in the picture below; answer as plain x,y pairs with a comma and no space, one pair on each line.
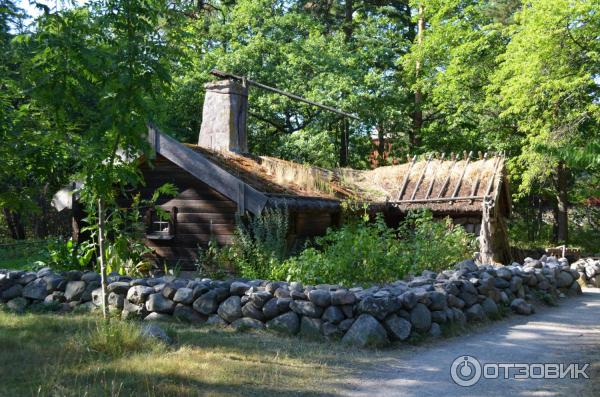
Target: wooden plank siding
202,212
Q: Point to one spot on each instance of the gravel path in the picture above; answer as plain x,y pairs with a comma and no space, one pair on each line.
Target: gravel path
564,334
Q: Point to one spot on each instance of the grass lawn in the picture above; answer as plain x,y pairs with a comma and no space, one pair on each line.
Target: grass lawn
75,355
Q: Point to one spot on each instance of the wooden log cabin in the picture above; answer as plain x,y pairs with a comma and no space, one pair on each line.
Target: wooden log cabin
217,179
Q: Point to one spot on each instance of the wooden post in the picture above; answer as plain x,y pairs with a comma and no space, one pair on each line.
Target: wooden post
102,259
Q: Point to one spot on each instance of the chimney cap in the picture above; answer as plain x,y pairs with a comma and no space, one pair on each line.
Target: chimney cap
226,87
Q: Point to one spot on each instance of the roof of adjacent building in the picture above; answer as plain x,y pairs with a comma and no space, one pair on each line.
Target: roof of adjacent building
450,186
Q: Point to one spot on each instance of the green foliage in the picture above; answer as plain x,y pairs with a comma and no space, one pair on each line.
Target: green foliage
259,244
66,255
366,252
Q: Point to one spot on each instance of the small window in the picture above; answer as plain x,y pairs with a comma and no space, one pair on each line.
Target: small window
159,227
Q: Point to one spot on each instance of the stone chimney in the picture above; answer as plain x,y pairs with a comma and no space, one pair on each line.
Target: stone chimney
224,117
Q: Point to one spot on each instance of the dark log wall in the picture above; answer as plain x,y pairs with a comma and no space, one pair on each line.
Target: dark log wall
201,213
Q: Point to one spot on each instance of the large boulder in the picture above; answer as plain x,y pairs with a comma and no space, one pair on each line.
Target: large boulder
379,307
475,313
238,288
342,297
311,327
564,280
158,303
397,327
139,293
519,306
306,308
250,310
187,314
35,290
208,303
17,304
366,331
74,290
12,292
184,295
156,332
333,314
246,323
118,287
231,309
490,307
420,317
287,323
116,300
320,297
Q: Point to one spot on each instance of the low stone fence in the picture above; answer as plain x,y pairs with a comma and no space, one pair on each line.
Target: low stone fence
360,316
589,271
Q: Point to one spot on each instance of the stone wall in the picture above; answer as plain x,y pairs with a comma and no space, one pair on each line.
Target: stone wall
359,316
589,271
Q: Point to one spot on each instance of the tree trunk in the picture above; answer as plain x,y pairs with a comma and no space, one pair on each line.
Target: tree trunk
348,32
562,200
102,259
381,143
14,223
417,116
344,143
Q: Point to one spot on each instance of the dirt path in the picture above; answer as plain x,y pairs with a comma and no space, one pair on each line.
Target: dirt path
564,334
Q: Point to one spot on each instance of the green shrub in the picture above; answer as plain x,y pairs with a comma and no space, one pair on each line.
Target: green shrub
364,252
259,245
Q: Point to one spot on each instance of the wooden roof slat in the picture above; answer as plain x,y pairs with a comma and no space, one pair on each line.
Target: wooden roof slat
445,184
457,188
430,188
421,177
481,169
493,178
406,177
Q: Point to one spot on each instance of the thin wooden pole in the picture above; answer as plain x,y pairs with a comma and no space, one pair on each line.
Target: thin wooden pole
438,200
406,177
225,75
102,259
492,179
421,177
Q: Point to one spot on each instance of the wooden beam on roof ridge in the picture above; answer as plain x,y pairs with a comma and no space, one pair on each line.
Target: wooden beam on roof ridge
207,171
462,175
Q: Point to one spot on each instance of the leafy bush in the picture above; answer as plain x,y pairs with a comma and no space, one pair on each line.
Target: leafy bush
365,252
67,255
259,245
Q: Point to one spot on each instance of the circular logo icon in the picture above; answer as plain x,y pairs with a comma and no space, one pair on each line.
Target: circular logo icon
465,371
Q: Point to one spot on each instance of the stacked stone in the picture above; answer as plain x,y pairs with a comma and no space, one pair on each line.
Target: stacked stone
589,271
372,316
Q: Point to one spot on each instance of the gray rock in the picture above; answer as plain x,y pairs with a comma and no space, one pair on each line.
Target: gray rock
139,293
439,316
366,331
490,307
250,310
306,308
89,277
346,324
230,309
115,300
379,307
331,330
342,297
187,314
97,296
133,311
74,290
311,327
503,273
454,301
44,272
216,320
208,303
238,288
298,295
54,282
270,309
408,300
574,290
17,304
162,317
320,297
86,296
169,290
287,323
475,313
35,290
438,300
519,306
118,287
468,265
420,317
564,280
435,331
156,332
158,303
468,298
12,292
398,328
333,314
515,283
56,296
184,295
247,323
259,298
27,278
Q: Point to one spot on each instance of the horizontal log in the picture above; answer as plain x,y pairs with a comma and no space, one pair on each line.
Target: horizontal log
205,228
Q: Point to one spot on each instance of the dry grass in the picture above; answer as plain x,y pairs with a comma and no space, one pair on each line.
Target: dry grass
50,355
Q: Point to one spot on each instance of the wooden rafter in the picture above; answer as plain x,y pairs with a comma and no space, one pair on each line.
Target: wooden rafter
430,188
447,180
462,175
406,178
476,184
421,177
